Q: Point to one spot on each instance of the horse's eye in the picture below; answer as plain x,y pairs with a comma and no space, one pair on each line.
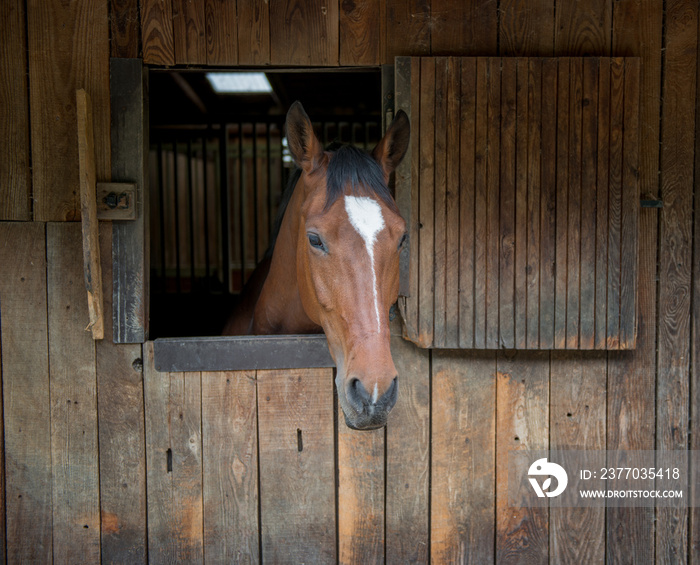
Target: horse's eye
316,241
403,240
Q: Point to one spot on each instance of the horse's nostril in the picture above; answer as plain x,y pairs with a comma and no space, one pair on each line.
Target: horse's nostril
390,396
358,395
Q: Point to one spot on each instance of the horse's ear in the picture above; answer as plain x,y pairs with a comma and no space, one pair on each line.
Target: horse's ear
392,147
304,146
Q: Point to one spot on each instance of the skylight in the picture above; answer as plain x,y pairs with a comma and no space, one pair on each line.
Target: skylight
239,83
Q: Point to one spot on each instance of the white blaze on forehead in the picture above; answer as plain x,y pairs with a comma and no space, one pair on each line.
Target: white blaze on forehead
366,217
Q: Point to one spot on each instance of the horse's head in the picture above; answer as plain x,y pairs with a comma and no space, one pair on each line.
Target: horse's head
349,239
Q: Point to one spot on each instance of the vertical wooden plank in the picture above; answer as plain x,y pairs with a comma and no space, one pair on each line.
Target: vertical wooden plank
230,467
439,203
426,281
360,33
462,525
526,32
157,32
562,199
254,32
124,19
467,220
15,180
675,258
68,48
189,35
130,240
548,161
630,208
26,402
452,225
3,507
694,526
522,423
506,291
407,29
73,389
589,152
407,518
573,254
602,188
221,27
583,28
493,117
304,32
534,143
361,491
297,498
577,421
521,197
480,203
631,375
122,445
407,97
615,202
173,404
462,27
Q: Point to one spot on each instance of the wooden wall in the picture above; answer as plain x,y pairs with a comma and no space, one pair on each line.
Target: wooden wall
76,455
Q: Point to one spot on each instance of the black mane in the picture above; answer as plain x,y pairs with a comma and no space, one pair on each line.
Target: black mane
348,165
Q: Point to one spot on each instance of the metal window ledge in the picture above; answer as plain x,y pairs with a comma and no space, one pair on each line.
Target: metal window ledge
241,353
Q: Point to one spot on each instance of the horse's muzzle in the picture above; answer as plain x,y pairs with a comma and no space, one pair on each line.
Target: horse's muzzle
370,413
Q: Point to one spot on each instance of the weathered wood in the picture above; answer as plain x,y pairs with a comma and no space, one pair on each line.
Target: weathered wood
88,213
631,410
360,33
630,208
583,28
467,221
73,389
462,527
122,447
562,199
15,181
241,353
3,509
526,32
452,195
221,25
493,188
534,201
230,467
439,270
426,219
173,406
404,19
297,497
675,258
68,47
130,243
506,247
304,32
521,198
124,19
459,28
522,423
157,32
577,419
573,253
189,34
361,492
589,153
548,204
26,400
407,519
253,32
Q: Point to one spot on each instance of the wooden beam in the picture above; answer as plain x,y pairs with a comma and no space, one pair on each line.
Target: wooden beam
88,209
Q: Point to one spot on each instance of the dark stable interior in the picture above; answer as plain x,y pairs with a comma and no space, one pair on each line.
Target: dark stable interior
208,235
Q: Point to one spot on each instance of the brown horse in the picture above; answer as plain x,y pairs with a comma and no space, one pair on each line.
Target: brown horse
335,265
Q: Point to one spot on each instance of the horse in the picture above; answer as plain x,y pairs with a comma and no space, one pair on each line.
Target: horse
334,267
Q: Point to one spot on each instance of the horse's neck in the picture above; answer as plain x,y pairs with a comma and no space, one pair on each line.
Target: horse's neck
279,308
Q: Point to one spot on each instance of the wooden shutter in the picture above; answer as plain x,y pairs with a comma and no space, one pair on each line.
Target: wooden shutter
521,193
